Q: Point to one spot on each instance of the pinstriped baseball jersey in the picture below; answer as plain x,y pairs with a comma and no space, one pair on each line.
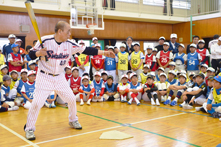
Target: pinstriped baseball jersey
58,55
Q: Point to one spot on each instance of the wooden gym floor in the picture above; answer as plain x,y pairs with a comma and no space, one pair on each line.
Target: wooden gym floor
151,126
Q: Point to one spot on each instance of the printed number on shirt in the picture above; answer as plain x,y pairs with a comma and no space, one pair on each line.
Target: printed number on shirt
63,62
109,62
31,95
97,61
122,61
83,59
134,61
164,60
192,62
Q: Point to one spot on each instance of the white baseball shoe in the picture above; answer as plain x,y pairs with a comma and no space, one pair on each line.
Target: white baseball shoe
76,125
29,134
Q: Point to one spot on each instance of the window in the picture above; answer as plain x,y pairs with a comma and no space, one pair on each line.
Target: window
128,1
151,44
180,4
3,41
154,2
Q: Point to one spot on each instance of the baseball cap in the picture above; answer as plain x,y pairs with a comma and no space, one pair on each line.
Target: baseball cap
81,42
111,47
181,71
123,45
124,76
129,71
85,77
155,49
6,77
3,66
97,45
166,43
24,70
97,74
18,40
210,78
11,36
146,65
133,74
85,74
31,72
14,45
163,74
217,78
149,47
219,38
15,71
74,68
103,73
192,74
182,45
94,38
173,36
184,75
31,62
115,47
193,45
172,72
201,41
162,38
136,43
204,65
211,69
150,76
67,67
110,77
161,68
172,63
201,75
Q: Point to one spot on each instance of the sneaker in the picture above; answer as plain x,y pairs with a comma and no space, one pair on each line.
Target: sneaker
157,102
81,103
166,102
15,108
122,101
198,108
29,134
76,125
187,106
50,106
173,103
138,104
153,103
129,103
88,102
215,115
181,105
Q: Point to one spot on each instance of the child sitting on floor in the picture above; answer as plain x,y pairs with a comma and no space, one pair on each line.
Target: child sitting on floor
163,87
110,92
123,88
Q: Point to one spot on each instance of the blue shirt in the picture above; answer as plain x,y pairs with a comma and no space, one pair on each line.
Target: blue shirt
192,61
110,63
7,50
174,50
28,59
97,87
29,90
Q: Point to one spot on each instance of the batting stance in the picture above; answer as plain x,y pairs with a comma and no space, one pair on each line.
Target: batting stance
50,77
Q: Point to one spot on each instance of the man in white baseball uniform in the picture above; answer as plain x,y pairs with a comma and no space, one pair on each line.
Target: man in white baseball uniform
59,49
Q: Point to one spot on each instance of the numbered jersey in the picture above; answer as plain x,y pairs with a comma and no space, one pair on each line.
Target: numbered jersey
98,87
82,59
122,61
110,63
164,58
135,60
15,58
149,61
97,60
143,78
192,61
203,54
28,89
75,84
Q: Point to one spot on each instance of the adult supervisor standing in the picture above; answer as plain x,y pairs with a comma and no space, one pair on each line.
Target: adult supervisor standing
50,77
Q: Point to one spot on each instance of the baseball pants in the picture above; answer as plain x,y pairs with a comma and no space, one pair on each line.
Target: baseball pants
44,85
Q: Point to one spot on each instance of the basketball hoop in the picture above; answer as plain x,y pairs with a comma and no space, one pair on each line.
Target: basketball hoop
91,27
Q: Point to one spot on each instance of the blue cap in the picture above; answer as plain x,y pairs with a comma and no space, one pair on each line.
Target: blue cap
14,45
217,78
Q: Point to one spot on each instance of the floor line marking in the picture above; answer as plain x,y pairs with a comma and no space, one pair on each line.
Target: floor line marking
19,136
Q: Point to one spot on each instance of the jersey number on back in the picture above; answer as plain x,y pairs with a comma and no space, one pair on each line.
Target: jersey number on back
62,62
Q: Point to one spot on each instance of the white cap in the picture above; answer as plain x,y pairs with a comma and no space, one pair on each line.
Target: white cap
182,45
3,66
166,43
97,74
204,65
18,40
183,72
172,72
13,71
124,76
85,77
81,42
31,72
123,45
193,45
97,45
24,70
211,69
152,73
184,75
104,72
136,43
192,74
172,63
11,36
31,62
146,65
73,68
173,36
94,38
219,38
155,49
161,68
133,74
162,38
163,74
110,47
68,67
149,47
201,41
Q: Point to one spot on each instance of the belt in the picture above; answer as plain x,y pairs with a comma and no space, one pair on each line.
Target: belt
48,73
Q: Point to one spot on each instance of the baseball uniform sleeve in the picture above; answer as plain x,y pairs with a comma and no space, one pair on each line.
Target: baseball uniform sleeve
69,82
158,55
116,59
142,56
154,59
10,58
171,56
23,89
199,57
16,85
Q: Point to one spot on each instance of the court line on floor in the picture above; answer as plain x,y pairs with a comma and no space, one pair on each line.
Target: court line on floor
122,126
19,136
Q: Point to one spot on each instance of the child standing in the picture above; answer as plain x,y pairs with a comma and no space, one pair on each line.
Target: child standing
75,82
135,89
151,90
68,73
180,58
123,88
99,87
204,53
122,59
143,76
136,59
110,92
150,59
15,61
163,87
97,61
